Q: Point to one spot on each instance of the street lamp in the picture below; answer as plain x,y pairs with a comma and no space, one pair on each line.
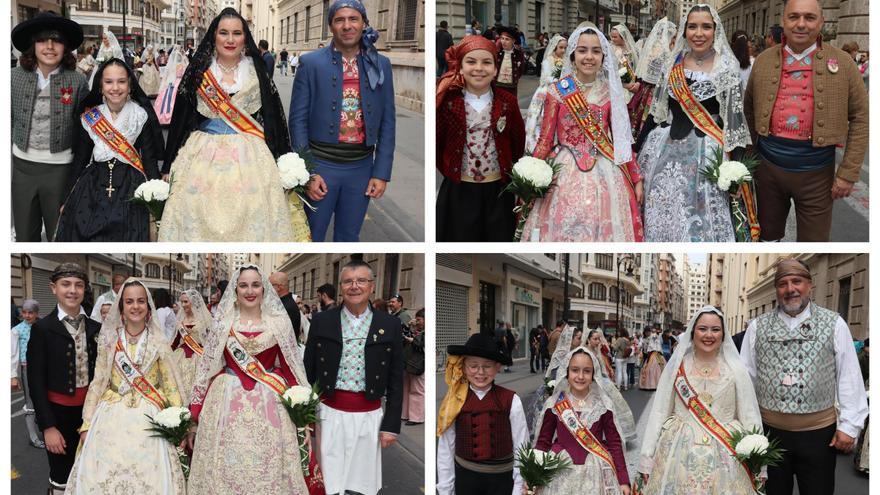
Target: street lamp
621,259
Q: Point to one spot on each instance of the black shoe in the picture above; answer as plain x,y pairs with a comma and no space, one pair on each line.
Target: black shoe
411,423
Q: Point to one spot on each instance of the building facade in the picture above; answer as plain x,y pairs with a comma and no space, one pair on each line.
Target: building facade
696,288
134,23
601,273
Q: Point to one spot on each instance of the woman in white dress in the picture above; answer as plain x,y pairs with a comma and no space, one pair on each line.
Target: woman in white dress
149,79
245,441
193,323
109,48
680,454
119,454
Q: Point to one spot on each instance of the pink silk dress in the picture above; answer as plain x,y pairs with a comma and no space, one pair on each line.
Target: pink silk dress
591,198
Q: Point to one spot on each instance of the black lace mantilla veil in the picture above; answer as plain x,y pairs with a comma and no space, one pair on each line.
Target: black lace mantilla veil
186,118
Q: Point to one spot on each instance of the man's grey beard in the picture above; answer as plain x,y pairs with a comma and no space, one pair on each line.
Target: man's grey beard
794,310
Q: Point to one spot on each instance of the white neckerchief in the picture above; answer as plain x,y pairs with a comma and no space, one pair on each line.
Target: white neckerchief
241,74
476,102
800,56
130,122
42,82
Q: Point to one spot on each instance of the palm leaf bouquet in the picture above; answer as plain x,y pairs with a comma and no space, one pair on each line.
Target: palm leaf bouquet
538,468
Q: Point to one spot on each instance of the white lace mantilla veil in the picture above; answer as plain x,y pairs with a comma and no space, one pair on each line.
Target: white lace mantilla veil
621,134
563,346
115,47
200,314
169,72
597,390
725,77
652,59
274,319
157,347
629,41
661,405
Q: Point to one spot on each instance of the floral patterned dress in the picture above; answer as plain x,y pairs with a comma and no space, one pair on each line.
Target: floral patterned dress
591,198
680,204
688,459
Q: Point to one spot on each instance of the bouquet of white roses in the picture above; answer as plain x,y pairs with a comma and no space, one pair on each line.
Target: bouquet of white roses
549,385
735,178
172,424
538,468
530,179
153,194
301,404
756,451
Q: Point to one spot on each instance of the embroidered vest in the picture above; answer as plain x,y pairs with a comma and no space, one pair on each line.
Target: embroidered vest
792,116
480,157
805,353
40,137
352,367
351,118
482,428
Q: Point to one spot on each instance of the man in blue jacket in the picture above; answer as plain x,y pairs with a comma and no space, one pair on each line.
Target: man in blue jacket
353,143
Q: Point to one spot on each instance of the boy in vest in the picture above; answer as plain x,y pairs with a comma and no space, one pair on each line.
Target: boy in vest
480,424
802,361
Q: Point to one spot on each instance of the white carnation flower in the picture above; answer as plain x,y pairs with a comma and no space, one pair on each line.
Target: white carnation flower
621,71
153,190
752,444
536,171
298,394
293,171
732,172
170,417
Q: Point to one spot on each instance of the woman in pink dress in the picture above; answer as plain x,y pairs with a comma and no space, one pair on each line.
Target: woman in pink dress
584,128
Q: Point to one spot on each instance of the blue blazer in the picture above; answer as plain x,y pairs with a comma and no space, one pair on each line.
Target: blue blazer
317,98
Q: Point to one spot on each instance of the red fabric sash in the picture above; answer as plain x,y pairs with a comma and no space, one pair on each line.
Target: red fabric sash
346,401
77,399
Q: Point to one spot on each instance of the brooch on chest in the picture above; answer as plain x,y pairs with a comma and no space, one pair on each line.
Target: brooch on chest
67,95
833,67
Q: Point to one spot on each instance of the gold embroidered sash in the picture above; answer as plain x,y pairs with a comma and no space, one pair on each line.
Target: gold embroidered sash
701,413
113,138
189,341
580,110
252,367
135,378
218,101
695,110
565,412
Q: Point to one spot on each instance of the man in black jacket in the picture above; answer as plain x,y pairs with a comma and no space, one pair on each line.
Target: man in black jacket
355,356
61,358
281,283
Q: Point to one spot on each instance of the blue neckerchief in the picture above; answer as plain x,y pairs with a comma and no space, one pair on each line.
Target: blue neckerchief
375,75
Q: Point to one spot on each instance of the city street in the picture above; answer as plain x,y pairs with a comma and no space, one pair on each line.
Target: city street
403,464
849,482
850,216
400,215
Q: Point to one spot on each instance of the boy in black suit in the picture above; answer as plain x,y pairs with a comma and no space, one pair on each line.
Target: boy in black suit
61,358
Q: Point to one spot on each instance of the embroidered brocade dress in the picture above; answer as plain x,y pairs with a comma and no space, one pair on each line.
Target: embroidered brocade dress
149,80
680,204
653,365
225,185
246,442
186,359
91,212
596,205
119,454
588,474
688,459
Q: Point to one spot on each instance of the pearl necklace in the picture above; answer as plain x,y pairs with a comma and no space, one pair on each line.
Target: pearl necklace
228,70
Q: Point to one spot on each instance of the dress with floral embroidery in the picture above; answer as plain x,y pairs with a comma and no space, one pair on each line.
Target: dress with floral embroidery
680,204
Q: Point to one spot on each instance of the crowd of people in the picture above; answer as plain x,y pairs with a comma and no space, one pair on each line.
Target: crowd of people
807,393
634,130
95,372
87,134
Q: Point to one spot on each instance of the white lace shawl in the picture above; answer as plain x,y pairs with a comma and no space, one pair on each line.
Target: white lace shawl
130,122
725,77
746,402
201,315
629,42
157,347
274,319
652,58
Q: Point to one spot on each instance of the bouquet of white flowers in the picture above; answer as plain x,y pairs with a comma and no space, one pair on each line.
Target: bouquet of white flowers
294,170
549,385
756,451
530,179
153,194
538,468
735,178
301,404
172,424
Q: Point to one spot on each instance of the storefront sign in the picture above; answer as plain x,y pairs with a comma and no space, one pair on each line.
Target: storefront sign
525,293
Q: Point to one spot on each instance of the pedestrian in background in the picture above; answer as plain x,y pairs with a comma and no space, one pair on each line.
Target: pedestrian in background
444,41
622,352
414,366
30,313
282,60
534,345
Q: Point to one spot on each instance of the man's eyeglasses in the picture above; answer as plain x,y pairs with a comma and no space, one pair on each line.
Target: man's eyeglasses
474,368
360,282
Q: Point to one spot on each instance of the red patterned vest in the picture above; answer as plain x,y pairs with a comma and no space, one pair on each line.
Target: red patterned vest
793,111
482,428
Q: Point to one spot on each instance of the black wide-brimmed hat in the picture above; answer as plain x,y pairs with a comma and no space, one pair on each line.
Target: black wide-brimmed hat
512,31
481,345
24,34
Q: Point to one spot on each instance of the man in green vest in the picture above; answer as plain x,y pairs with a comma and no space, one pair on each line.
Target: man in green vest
808,383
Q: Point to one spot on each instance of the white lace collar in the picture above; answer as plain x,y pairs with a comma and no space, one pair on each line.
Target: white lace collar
130,122
242,74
